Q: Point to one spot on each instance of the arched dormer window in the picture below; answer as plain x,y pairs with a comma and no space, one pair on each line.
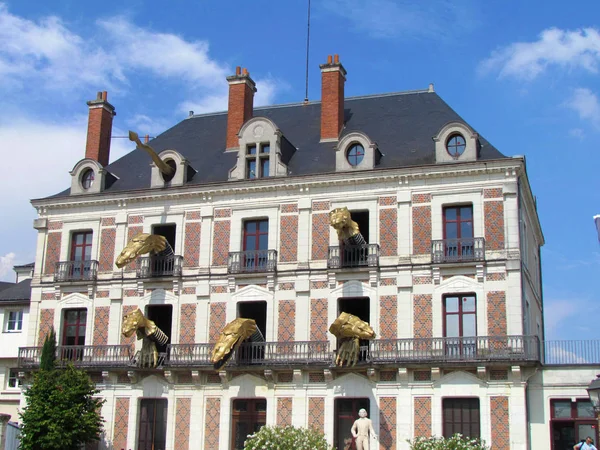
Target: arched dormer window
356,151
182,170
263,151
88,177
456,142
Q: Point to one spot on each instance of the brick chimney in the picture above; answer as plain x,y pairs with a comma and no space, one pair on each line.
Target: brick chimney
241,102
333,76
99,129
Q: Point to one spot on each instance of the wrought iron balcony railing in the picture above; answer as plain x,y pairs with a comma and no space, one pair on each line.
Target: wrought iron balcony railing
366,255
252,261
76,270
458,250
159,266
85,356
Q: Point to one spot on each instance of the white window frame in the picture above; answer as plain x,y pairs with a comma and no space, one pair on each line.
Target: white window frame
17,321
17,385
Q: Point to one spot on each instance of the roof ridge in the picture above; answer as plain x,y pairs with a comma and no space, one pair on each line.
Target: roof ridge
315,102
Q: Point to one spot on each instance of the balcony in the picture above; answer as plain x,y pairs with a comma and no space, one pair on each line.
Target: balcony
366,255
478,349
253,353
252,261
159,266
83,356
458,250
76,270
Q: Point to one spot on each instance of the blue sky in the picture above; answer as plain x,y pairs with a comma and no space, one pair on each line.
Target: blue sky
524,74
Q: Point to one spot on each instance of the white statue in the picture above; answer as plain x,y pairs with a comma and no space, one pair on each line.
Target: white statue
361,429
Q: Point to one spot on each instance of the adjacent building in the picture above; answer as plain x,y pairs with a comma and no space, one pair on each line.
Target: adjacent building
448,277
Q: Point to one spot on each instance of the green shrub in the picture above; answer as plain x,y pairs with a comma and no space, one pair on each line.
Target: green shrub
286,438
456,442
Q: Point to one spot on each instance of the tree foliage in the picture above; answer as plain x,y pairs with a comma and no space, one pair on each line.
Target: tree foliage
62,412
286,438
456,442
48,351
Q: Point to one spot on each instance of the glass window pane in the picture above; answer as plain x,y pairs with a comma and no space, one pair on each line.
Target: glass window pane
251,168
562,409
469,325
82,316
452,329
250,227
451,230
466,212
78,254
266,148
585,409
71,316
451,304
240,405
79,239
261,406
468,304
251,150
250,242
264,167
450,213
263,226
263,242
88,238
466,229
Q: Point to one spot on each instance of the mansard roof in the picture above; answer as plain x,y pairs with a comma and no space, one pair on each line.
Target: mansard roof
401,124
17,293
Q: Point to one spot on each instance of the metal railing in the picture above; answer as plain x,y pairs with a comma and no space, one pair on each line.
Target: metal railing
186,355
252,261
159,266
366,255
457,250
572,352
76,270
79,356
477,348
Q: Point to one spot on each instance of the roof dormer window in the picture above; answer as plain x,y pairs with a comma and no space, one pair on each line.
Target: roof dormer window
456,142
355,154
87,179
456,145
356,151
257,161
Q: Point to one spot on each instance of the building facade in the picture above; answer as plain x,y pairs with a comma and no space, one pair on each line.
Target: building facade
448,275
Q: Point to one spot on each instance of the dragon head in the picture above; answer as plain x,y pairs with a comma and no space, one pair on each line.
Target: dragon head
140,245
131,322
349,326
341,221
234,333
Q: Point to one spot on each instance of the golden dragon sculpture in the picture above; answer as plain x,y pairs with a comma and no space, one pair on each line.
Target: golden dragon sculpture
349,330
145,329
346,228
140,245
162,166
232,336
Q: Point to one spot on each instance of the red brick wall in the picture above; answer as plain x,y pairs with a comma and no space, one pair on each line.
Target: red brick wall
287,321
388,226
183,409
316,413
320,230
422,316
131,233
46,323
421,222
187,324
101,320
496,311
52,252
212,422
284,411
191,252
492,193
130,340
332,104
318,319
217,321
422,414
107,249
388,317
494,224
241,100
221,234
500,423
288,238
387,422
121,423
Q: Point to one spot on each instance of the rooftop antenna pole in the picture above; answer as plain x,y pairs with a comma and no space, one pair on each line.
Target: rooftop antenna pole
307,51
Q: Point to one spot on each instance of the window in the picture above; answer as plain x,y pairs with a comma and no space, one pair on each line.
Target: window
571,422
346,412
74,324
153,424
460,325
87,178
458,231
254,350
255,245
248,416
257,161
456,145
461,415
81,255
162,316
355,154
14,321
13,380
359,307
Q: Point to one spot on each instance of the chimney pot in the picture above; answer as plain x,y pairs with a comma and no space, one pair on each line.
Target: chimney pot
99,95
245,71
238,70
191,113
431,87
99,131
336,59
146,139
329,59
240,104
104,96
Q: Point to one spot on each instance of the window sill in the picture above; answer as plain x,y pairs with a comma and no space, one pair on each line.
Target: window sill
12,331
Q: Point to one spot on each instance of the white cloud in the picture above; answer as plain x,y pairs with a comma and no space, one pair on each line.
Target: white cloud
391,19
6,264
144,124
579,49
586,104
577,133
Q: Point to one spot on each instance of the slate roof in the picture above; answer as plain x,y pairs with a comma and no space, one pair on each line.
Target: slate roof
5,285
402,124
19,292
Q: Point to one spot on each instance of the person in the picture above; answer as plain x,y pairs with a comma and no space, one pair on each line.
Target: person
361,429
587,445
